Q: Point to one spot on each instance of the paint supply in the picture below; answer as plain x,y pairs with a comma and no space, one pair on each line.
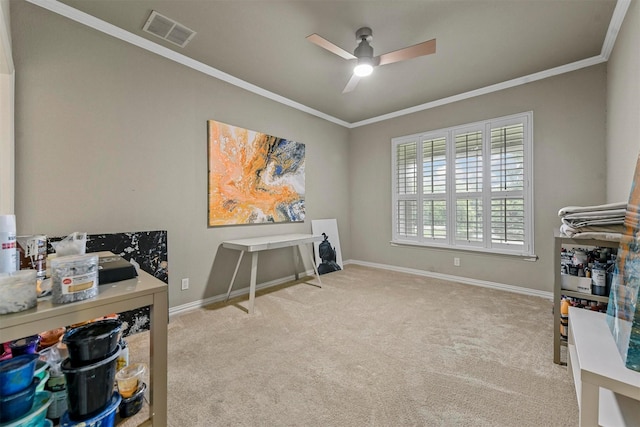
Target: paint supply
106,418
18,291
89,387
599,279
8,249
123,359
17,373
74,278
50,338
32,253
564,318
35,417
132,405
17,404
129,378
57,388
28,345
92,342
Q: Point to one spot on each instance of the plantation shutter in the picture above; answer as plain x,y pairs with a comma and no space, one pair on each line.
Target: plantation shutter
407,189
434,188
507,185
468,187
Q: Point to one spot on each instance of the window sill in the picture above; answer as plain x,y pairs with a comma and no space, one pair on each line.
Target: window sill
410,243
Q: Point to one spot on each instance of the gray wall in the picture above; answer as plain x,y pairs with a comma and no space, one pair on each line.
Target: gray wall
623,107
569,169
112,138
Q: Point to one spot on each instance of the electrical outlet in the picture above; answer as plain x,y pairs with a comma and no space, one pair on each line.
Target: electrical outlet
456,261
185,284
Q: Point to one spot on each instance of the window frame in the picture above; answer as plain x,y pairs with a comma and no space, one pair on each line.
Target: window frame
486,195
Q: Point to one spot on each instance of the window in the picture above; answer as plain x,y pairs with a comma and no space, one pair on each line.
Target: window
466,187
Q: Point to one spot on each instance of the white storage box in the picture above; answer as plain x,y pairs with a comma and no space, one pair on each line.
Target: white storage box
575,283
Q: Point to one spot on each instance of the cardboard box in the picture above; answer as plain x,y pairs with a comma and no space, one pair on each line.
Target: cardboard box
575,283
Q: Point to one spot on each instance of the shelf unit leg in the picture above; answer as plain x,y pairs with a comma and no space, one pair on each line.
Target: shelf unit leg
158,359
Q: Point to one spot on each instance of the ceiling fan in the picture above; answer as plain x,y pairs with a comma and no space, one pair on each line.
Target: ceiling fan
364,54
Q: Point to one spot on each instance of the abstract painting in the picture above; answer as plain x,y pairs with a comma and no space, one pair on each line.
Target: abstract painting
623,313
254,178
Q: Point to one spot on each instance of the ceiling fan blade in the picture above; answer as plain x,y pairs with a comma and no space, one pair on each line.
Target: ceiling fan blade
351,85
326,44
420,49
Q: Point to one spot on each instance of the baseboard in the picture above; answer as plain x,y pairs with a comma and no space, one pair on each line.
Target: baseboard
475,282
459,279
242,291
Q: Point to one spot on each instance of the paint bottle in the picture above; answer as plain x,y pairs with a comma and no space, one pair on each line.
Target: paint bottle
57,385
123,358
564,318
8,249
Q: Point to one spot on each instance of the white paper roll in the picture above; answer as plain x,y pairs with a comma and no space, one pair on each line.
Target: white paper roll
8,250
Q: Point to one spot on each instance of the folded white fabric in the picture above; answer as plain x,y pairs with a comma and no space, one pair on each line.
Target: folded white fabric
612,237
611,213
586,222
570,231
604,222
588,209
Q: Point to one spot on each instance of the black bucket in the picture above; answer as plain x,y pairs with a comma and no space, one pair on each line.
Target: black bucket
90,343
89,388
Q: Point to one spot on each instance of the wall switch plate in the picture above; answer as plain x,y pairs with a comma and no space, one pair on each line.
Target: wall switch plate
456,261
185,284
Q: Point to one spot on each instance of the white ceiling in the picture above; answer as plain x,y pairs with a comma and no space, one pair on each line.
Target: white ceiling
480,45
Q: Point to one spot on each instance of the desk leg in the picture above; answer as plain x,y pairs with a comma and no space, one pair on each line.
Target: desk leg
313,263
252,286
158,359
589,401
295,263
233,278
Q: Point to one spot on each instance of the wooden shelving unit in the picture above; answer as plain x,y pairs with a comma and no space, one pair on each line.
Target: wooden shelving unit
145,290
560,241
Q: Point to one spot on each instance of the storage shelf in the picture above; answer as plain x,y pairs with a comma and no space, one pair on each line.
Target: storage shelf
559,241
582,295
145,290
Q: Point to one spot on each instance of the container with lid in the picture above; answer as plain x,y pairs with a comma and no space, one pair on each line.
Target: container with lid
74,278
18,291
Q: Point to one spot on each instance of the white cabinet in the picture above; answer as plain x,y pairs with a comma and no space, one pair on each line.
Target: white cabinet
608,393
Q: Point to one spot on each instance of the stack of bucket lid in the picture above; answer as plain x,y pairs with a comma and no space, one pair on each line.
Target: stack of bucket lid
20,402
90,372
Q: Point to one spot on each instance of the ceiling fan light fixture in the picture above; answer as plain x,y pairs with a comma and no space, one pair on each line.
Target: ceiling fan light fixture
364,67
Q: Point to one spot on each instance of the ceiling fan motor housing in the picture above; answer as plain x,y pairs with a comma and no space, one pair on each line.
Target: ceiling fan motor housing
364,33
364,50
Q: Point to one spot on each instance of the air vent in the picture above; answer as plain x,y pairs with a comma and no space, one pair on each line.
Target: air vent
168,29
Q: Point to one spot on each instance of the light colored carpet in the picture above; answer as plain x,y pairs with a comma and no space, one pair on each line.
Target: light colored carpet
371,348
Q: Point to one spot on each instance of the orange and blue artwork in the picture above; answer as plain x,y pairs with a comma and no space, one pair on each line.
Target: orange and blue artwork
254,178
623,312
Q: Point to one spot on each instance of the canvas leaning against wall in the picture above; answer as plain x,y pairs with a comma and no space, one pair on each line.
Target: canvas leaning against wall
254,178
623,312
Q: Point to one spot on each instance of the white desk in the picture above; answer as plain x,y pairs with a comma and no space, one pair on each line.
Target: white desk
608,392
256,244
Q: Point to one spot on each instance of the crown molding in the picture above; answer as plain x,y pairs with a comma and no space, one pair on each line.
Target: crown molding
110,29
